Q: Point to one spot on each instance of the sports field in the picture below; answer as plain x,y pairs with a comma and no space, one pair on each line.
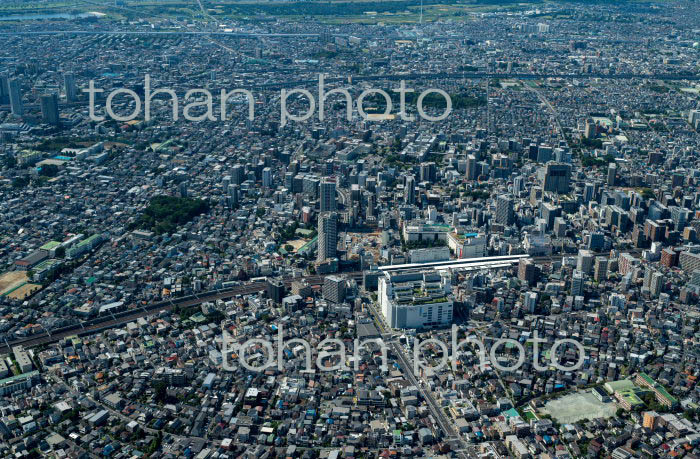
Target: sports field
577,406
11,280
24,291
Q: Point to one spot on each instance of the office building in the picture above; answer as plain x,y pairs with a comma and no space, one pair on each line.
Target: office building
237,174
518,185
588,193
680,217
693,117
530,302
549,212
656,284
428,172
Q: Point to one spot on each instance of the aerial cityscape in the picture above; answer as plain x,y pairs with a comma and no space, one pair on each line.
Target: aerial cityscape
349,229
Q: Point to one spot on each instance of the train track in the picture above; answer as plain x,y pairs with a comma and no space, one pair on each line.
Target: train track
115,320
103,323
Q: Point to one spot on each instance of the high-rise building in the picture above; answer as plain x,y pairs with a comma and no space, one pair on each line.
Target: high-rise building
549,212
518,185
233,195
612,172
577,281
527,271
327,235
600,269
428,172
327,196
588,193
693,117
557,177
680,217
49,109
585,261
656,284
238,174
471,167
669,257
275,290
69,87
334,289
15,92
530,300
591,129
4,90
648,272
409,192
504,210
267,177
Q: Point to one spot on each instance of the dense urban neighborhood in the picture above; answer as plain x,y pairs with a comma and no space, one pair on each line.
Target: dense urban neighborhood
350,229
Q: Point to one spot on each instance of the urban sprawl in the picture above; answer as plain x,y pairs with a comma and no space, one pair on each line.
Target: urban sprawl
291,286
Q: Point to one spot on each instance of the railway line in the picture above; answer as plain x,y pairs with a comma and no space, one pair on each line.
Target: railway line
113,320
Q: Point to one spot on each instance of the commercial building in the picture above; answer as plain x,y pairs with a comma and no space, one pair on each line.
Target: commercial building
467,244
416,299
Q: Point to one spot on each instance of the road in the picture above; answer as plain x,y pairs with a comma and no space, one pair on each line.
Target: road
555,114
451,435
